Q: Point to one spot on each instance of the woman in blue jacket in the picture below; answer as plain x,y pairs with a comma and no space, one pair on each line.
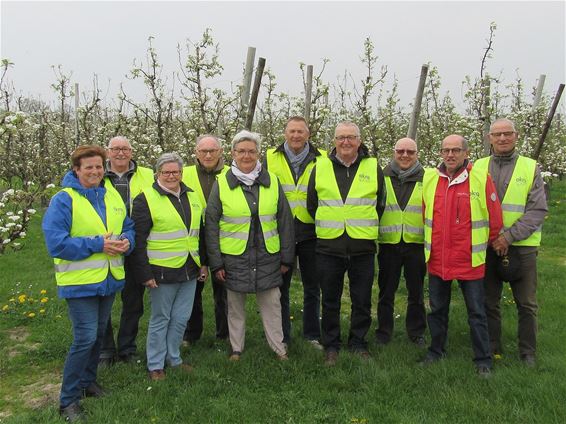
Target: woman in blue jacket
87,233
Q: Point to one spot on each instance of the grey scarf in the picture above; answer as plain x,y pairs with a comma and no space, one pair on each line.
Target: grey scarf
404,174
296,159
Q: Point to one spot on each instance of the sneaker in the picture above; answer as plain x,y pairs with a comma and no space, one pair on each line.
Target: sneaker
128,358
283,357
330,358
72,413
418,341
235,356
93,390
156,375
316,344
483,371
105,363
529,361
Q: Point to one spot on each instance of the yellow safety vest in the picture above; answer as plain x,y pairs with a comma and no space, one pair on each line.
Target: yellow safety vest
515,199
169,243
236,217
358,214
296,194
190,178
142,178
87,223
478,209
408,222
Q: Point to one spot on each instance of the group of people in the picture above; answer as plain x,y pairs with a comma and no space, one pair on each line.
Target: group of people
117,226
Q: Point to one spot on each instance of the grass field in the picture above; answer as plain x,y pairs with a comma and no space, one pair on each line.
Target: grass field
389,388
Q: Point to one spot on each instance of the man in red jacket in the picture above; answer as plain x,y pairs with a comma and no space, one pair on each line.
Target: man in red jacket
462,216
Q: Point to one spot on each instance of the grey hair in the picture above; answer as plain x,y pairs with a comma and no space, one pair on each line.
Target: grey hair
348,124
465,144
118,138
202,137
168,158
507,121
246,135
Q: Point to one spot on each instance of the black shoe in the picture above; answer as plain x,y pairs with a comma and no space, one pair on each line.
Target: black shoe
93,390
483,371
72,413
428,360
381,341
529,360
418,341
330,358
105,363
129,358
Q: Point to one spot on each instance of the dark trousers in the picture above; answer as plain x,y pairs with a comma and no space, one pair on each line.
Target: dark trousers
331,270
132,311
524,294
196,323
305,251
392,258
439,295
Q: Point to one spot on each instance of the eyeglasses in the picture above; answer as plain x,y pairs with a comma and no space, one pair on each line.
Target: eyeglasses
344,138
401,152
504,133
242,152
455,150
205,152
120,149
170,173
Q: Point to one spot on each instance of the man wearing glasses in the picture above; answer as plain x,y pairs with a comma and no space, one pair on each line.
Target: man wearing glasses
129,179
462,216
401,237
293,162
521,188
345,196
200,177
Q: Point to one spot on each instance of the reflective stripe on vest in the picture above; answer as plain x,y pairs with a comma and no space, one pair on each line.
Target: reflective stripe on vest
358,214
169,243
190,178
515,198
478,208
296,194
86,222
236,218
395,222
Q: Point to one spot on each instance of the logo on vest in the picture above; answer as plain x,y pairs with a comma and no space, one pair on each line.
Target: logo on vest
119,210
364,178
474,195
520,181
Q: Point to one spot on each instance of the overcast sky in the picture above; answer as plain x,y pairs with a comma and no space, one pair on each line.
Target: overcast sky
104,38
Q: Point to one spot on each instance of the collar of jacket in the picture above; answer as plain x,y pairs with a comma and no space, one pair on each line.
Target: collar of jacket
132,170
501,159
312,149
363,153
465,166
219,167
387,171
184,189
263,179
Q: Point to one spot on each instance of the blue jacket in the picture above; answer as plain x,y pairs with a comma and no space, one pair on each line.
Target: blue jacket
57,227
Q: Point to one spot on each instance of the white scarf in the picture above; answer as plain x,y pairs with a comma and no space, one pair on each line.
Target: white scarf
247,179
174,193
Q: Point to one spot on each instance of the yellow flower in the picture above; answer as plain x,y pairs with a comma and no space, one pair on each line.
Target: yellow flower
42,311
22,298
31,315
5,307
43,292
44,299
12,300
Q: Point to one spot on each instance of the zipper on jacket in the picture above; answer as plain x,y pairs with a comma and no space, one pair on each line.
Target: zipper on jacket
184,218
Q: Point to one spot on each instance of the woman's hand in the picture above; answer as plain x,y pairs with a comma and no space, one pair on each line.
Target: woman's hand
203,273
151,284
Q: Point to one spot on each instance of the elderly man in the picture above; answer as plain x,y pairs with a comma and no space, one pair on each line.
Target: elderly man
401,237
129,180
520,186
200,177
293,162
462,216
345,196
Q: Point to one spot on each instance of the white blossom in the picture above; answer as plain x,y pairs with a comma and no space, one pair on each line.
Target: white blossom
31,211
6,241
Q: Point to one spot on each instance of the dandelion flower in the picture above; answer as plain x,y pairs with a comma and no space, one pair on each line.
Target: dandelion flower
5,307
43,291
42,311
22,298
44,300
31,314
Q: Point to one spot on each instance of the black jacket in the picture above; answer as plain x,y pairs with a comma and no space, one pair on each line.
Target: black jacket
344,245
141,215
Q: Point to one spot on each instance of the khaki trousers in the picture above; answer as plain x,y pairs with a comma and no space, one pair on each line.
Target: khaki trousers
270,311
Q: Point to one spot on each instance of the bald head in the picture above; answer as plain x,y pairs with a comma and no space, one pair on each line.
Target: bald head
405,153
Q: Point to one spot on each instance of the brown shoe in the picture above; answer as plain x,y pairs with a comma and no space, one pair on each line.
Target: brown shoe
283,357
330,358
235,356
156,375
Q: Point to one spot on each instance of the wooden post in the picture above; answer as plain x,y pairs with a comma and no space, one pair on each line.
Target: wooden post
255,92
486,91
538,147
77,103
308,94
538,93
247,82
414,122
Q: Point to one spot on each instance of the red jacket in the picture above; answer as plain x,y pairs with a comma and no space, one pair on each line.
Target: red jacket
451,251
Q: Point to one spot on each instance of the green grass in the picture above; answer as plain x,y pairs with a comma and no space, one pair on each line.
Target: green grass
390,388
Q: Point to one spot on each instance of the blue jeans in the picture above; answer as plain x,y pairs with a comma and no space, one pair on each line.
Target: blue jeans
439,296
89,316
171,307
331,270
